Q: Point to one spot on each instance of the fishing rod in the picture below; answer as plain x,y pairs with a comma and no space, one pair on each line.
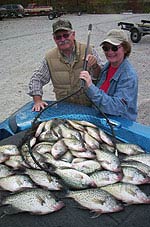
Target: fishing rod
83,86
86,53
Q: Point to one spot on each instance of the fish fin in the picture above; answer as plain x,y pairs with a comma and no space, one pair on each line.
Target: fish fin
3,194
96,213
40,200
9,209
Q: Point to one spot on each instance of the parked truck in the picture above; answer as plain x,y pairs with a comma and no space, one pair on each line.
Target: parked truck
33,9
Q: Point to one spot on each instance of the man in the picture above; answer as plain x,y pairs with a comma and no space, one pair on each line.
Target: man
62,65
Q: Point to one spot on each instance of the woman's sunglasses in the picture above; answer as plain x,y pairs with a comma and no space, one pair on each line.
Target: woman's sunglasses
113,48
65,36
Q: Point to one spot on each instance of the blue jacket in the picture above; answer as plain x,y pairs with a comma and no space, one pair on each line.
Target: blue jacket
121,97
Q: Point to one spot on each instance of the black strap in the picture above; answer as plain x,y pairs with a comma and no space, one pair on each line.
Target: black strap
13,124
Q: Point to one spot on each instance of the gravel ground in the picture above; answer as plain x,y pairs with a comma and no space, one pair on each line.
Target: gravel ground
23,43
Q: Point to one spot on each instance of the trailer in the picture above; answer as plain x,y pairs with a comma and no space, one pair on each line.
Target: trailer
137,31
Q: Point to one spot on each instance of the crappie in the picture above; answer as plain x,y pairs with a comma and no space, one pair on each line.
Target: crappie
96,200
74,144
43,179
138,165
85,123
108,160
105,138
69,133
48,136
129,149
15,162
40,129
84,154
58,149
105,177
88,166
67,157
36,201
94,132
42,147
5,171
144,158
76,125
128,193
9,150
134,176
3,157
90,141
75,179
16,183
57,163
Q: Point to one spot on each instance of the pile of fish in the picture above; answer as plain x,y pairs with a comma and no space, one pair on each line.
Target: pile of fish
99,174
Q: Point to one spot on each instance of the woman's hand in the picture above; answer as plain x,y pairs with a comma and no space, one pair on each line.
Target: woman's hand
86,76
92,62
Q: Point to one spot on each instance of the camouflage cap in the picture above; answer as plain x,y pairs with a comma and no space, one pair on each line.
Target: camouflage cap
62,25
115,37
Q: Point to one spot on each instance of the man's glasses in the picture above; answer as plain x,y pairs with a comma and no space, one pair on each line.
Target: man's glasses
65,36
113,48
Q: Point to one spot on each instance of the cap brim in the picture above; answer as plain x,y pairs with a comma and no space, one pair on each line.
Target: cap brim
62,29
111,41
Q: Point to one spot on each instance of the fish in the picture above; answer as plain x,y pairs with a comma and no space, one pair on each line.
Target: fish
105,138
16,162
48,136
49,124
15,183
128,193
5,171
3,157
143,158
85,123
129,149
105,177
94,132
57,163
42,147
67,157
9,150
96,200
75,179
74,144
108,160
69,133
88,166
40,129
58,149
84,154
35,201
134,176
138,165
76,125
44,179
90,141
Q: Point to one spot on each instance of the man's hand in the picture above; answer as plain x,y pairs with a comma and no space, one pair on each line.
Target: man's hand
38,103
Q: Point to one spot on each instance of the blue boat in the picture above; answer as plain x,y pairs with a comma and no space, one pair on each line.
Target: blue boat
12,131
125,130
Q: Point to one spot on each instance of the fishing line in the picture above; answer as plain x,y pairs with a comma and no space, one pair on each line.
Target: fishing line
82,87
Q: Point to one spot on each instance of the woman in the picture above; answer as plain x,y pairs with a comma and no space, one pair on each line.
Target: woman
117,88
